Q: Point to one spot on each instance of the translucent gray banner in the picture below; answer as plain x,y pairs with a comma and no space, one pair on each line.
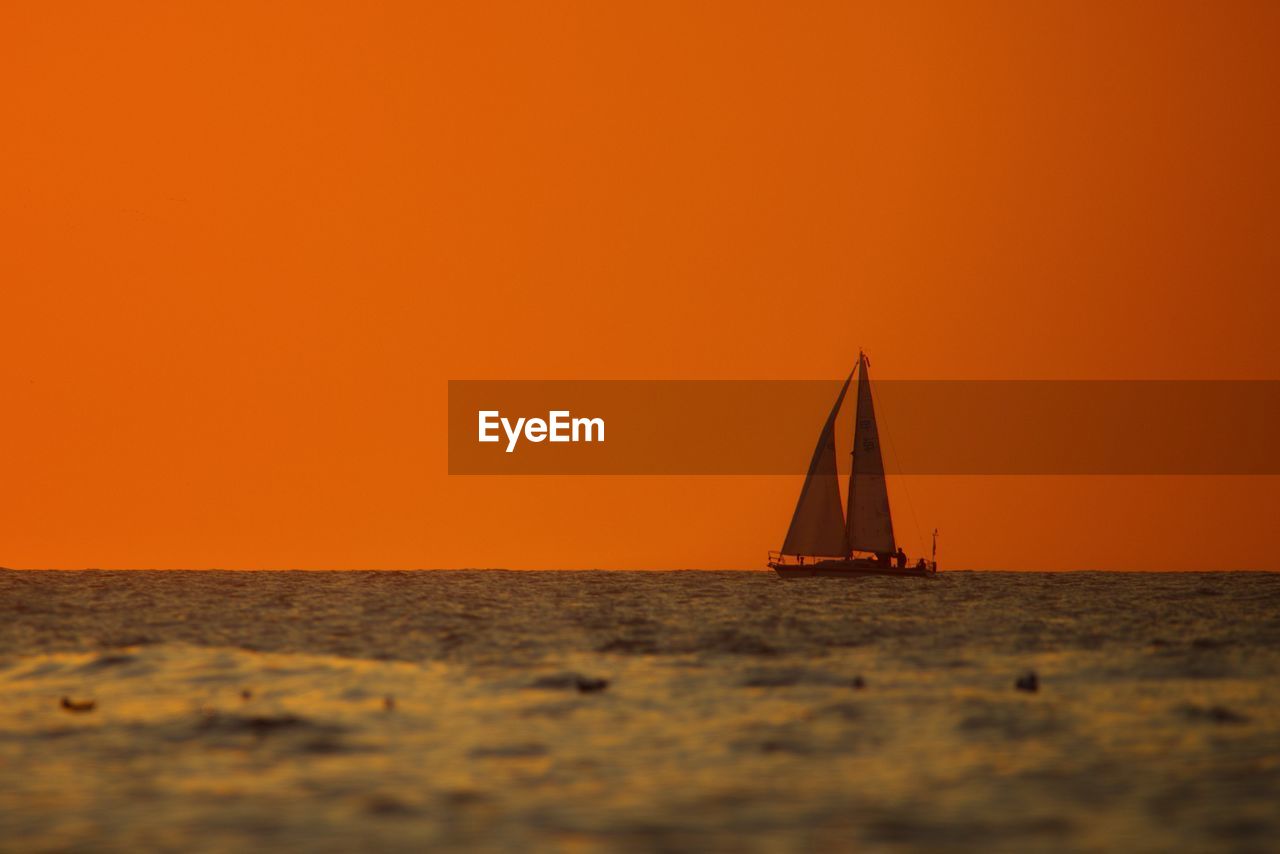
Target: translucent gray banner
705,427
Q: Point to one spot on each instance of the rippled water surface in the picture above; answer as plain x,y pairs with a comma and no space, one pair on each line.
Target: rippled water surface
335,711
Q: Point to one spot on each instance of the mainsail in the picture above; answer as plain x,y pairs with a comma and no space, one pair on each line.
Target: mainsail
817,527
870,528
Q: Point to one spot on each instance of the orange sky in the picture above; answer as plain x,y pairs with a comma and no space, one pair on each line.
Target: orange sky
246,244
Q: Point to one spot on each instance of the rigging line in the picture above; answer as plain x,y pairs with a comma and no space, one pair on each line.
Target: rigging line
905,491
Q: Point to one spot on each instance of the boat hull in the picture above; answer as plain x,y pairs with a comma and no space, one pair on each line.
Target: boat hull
848,569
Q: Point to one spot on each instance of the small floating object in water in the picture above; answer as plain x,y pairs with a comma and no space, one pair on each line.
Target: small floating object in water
246,694
566,681
858,682
388,702
78,705
387,805
1216,714
1028,682
268,723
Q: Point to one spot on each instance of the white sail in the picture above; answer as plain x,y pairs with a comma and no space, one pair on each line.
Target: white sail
870,528
817,527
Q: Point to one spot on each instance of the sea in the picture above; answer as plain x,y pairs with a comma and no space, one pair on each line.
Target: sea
638,711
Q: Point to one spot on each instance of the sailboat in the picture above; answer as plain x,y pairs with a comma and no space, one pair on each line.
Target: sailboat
826,540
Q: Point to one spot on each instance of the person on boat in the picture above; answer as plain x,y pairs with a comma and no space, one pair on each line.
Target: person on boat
902,558
920,564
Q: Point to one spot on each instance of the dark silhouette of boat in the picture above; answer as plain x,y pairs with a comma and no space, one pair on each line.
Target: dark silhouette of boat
78,705
824,539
